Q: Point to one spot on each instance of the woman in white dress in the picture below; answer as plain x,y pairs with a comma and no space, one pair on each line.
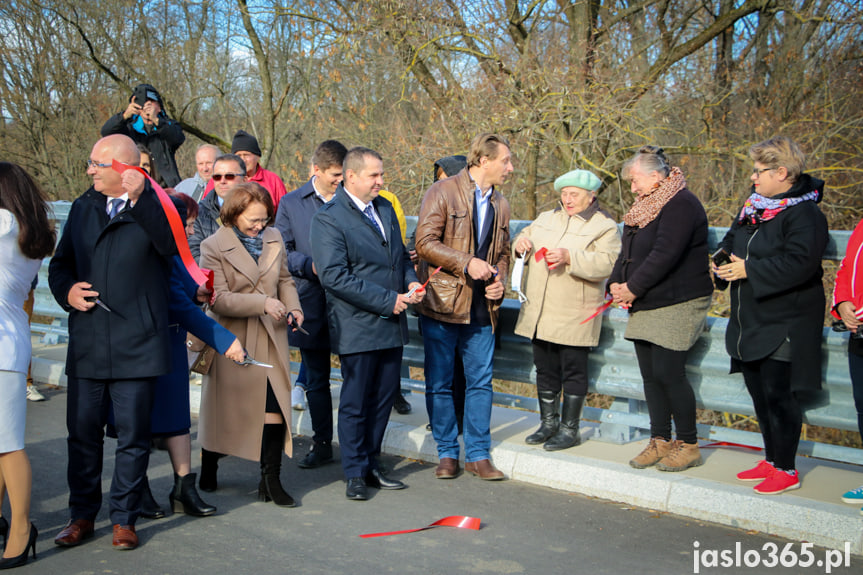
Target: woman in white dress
26,236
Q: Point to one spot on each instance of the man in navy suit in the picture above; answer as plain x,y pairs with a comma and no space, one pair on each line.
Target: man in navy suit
111,273
367,275
294,219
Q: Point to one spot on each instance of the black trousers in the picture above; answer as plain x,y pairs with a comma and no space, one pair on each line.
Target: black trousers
855,366
779,415
667,391
86,416
317,362
370,382
560,367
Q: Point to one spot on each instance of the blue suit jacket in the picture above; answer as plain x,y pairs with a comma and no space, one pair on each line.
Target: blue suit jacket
362,273
294,220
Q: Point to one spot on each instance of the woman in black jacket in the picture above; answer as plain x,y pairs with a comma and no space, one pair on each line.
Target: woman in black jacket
663,277
777,301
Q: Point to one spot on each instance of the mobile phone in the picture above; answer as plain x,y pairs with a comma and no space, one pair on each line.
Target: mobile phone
720,257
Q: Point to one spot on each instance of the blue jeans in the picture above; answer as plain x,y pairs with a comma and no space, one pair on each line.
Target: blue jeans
476,346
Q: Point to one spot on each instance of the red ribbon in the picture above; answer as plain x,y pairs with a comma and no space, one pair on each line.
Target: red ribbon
459,521
540,254
730,444
598,311
178,227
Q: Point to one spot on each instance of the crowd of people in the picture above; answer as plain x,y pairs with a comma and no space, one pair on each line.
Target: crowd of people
327,268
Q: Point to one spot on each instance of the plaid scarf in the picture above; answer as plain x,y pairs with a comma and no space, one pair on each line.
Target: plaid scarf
646,208
758,209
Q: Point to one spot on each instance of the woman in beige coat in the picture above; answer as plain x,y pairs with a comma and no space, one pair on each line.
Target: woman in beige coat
245,410
574,248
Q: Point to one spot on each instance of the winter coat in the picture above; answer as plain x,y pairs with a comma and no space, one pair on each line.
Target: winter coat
782,296
560,299
234,398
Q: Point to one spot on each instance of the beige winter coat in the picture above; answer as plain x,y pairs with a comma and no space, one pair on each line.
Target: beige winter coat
234,398
560,299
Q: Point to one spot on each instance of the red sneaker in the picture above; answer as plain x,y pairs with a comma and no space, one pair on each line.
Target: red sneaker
758,473
778,482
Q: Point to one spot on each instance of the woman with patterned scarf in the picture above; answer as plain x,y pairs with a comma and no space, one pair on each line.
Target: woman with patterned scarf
777,302
662,275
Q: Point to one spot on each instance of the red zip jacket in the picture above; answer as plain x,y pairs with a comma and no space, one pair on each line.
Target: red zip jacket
849,278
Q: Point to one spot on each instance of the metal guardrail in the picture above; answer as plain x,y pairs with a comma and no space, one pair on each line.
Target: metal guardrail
613,369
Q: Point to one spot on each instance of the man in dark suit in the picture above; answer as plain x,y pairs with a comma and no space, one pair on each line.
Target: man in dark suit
111,273
293,219
366,272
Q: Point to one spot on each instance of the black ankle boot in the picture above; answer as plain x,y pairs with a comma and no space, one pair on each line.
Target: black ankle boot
272,446
549,417
149,508
185,498
567,435
209,470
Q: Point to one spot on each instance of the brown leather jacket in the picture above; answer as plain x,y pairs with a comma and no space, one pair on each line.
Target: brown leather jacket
445,237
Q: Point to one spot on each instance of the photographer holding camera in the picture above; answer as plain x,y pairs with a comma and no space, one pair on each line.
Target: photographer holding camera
144,120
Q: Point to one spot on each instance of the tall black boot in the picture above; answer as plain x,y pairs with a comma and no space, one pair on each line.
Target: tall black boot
185,497
209,470
549,417
567,435
272,445
149,508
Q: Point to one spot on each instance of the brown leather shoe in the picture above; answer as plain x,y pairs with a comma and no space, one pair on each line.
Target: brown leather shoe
75,532
447,468
125,537
484,469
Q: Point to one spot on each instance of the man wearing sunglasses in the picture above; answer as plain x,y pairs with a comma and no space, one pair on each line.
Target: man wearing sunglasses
228,171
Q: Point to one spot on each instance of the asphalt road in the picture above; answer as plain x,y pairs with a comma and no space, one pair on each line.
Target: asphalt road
525,529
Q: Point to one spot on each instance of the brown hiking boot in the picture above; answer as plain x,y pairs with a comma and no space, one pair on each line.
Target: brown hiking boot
681,456
655,450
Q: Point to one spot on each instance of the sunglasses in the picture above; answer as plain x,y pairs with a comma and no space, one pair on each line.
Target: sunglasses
227,177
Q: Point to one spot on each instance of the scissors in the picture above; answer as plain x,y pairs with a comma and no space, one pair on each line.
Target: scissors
422,287
98,302
249,360
292,321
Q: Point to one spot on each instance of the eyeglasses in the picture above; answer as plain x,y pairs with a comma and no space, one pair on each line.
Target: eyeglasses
227,177
92,164
757,172
261,221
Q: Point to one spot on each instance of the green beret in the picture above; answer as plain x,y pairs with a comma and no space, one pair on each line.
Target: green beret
578,178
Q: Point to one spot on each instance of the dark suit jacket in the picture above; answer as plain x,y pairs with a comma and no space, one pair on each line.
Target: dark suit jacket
294,220
362,273
127,260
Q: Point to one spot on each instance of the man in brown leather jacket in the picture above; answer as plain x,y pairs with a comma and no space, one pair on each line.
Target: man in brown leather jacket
464,229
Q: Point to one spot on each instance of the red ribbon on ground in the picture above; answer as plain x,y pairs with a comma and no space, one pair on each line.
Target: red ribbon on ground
729,444
178,227
598,311
459,521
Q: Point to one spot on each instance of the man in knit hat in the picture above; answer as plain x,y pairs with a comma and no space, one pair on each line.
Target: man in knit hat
246,146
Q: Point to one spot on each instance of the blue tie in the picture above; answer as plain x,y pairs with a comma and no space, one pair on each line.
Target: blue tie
370,214
116,206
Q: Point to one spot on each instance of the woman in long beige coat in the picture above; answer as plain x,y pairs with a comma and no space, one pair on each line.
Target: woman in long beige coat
570,252
246,410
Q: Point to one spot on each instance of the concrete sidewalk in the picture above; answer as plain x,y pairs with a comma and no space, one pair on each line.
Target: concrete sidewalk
814,513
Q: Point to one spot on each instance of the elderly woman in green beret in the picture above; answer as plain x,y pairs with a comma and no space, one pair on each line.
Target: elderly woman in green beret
569,252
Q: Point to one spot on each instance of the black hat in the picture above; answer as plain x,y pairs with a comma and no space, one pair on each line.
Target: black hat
144,92
451,165
245,142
